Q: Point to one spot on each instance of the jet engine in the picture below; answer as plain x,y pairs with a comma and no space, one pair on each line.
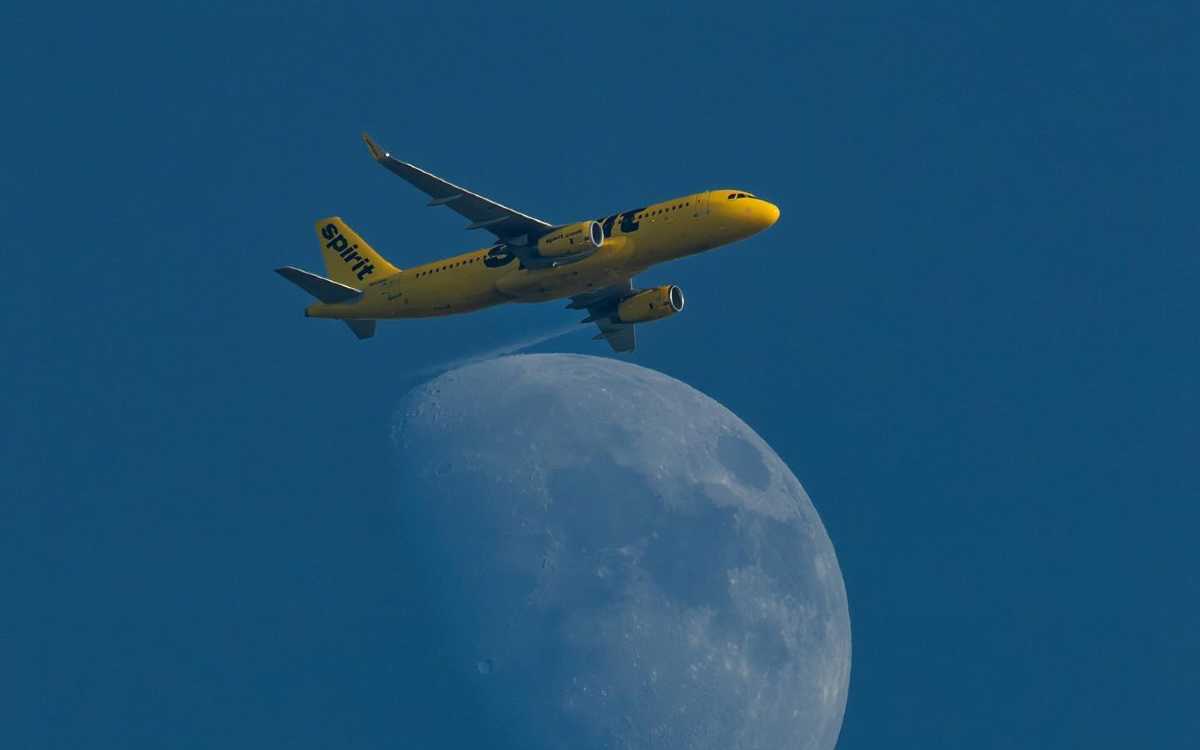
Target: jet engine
651,304
584,237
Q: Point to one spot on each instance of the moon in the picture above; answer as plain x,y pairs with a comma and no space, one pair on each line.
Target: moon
616,560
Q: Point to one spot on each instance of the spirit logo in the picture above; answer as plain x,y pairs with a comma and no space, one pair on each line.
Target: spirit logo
338,244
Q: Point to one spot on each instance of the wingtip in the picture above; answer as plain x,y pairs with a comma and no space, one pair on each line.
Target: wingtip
377,153
291,273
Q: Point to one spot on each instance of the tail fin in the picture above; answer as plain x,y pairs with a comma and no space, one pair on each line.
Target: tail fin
348,258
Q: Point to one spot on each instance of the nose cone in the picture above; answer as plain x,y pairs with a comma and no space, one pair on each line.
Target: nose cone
769,214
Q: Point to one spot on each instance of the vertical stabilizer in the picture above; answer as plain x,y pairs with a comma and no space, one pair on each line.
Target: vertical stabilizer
348,258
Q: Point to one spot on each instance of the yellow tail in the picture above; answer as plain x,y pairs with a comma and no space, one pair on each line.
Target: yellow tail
348,258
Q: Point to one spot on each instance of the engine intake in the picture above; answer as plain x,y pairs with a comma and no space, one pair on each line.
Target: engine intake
583,237
651,304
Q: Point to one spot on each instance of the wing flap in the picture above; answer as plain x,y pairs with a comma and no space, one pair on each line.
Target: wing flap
602,310
620,336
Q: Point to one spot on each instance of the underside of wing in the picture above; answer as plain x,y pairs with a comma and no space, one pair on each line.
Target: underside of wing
620,336
507,224
602,310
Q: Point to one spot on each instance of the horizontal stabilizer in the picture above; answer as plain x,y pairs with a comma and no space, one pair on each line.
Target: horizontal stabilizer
364,329
328,291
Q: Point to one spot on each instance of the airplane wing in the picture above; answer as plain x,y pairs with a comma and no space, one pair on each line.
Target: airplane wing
507,224
602,310
620,336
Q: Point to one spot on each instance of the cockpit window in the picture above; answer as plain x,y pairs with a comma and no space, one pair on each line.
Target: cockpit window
735,196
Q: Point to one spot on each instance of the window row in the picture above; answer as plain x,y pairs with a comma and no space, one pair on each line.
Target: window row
448,266
668,209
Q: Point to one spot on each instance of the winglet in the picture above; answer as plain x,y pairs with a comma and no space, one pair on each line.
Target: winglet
377,153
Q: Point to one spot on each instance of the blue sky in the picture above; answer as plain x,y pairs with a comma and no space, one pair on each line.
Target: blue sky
972,335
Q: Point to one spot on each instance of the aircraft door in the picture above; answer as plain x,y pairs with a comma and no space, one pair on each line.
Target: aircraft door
701,208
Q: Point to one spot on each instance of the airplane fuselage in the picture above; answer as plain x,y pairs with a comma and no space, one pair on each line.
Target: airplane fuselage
633,242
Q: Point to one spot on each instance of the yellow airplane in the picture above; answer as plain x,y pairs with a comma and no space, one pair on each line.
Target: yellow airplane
592,261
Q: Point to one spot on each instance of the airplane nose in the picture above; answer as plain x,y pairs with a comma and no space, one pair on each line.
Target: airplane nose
770,215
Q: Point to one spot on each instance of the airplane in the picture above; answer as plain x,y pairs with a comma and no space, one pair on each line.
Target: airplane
592,262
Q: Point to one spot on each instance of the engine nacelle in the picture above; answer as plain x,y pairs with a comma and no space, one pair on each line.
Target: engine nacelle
651,304
583,237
